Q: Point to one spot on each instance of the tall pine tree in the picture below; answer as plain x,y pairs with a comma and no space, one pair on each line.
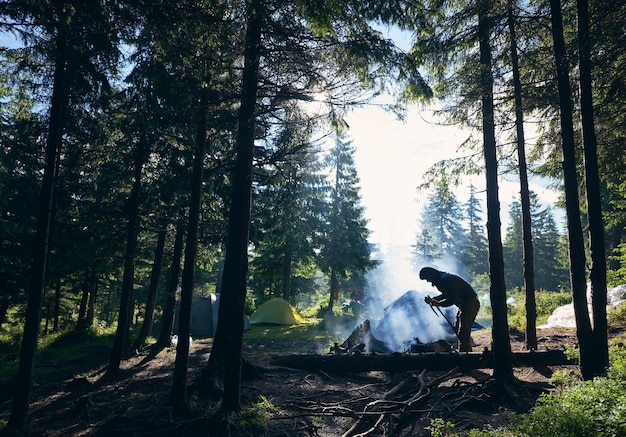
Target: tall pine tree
474,255
441,220
345,248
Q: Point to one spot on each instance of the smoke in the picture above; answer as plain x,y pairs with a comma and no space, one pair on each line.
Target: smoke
395,301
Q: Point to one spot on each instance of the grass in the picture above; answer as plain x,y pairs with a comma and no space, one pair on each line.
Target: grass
546,302
62,350
334,327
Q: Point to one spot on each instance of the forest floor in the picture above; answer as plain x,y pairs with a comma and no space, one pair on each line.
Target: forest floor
79,401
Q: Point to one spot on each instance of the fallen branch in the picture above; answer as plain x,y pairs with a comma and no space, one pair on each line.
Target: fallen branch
387,401
407,362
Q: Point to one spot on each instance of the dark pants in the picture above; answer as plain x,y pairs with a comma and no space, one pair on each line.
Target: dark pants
464,319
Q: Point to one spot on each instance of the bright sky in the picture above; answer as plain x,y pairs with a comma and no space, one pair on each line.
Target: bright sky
392,157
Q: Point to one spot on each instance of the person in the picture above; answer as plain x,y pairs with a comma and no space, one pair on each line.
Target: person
454,291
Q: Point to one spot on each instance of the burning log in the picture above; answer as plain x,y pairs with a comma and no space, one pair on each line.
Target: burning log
344,363
361,340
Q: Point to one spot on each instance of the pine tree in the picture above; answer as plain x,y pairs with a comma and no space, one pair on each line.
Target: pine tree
286,217
345,248
513,251
549,271
474,255
441,219
425,249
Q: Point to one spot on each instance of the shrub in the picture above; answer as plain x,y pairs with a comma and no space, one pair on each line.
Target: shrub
584,408
253,418
545,301
439,428
588,408
617,315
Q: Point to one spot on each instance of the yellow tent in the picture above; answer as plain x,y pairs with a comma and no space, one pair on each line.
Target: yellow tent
276,311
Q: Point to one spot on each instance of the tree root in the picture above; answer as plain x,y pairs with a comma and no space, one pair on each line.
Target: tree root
403,404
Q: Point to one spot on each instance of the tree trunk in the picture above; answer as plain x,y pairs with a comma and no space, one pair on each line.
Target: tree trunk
594,199
93,294
4,308
287,271
146,326
81,323
24,379
57,307
86,314
124,317
334,290
572,206
46,323
179,385
502,366
407,362
527,237
227,346
172,282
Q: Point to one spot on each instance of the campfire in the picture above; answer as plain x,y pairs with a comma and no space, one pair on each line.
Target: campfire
362,340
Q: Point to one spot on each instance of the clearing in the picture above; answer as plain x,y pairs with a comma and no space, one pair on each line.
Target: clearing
78,401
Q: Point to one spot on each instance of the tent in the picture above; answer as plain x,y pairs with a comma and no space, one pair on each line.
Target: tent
409,317
564,316
276,311
204,315
204,312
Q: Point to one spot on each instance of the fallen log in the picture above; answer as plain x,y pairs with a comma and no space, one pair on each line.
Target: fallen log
407,362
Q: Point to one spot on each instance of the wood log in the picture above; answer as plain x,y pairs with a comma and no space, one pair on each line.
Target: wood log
407,362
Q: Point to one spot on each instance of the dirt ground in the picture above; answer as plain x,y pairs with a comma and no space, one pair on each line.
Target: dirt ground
320,404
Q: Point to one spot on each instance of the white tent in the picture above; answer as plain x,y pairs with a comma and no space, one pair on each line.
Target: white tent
564,317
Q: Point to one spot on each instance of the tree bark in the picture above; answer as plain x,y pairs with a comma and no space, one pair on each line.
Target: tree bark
406,362
527,237
124,317
334,290
572,206
57,307
597,251
502,366
4,308
146,326
93,294
58,104
172,282
226,356
179,385
287,270
84,300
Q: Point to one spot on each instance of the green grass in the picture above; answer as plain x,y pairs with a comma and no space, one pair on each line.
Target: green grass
313,329
545,301
309,330
64,350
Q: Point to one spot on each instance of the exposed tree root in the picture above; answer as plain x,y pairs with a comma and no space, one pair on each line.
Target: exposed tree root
408,402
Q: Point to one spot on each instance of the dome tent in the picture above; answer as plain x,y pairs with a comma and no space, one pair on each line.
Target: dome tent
409,317
204,312
276,311
204,315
